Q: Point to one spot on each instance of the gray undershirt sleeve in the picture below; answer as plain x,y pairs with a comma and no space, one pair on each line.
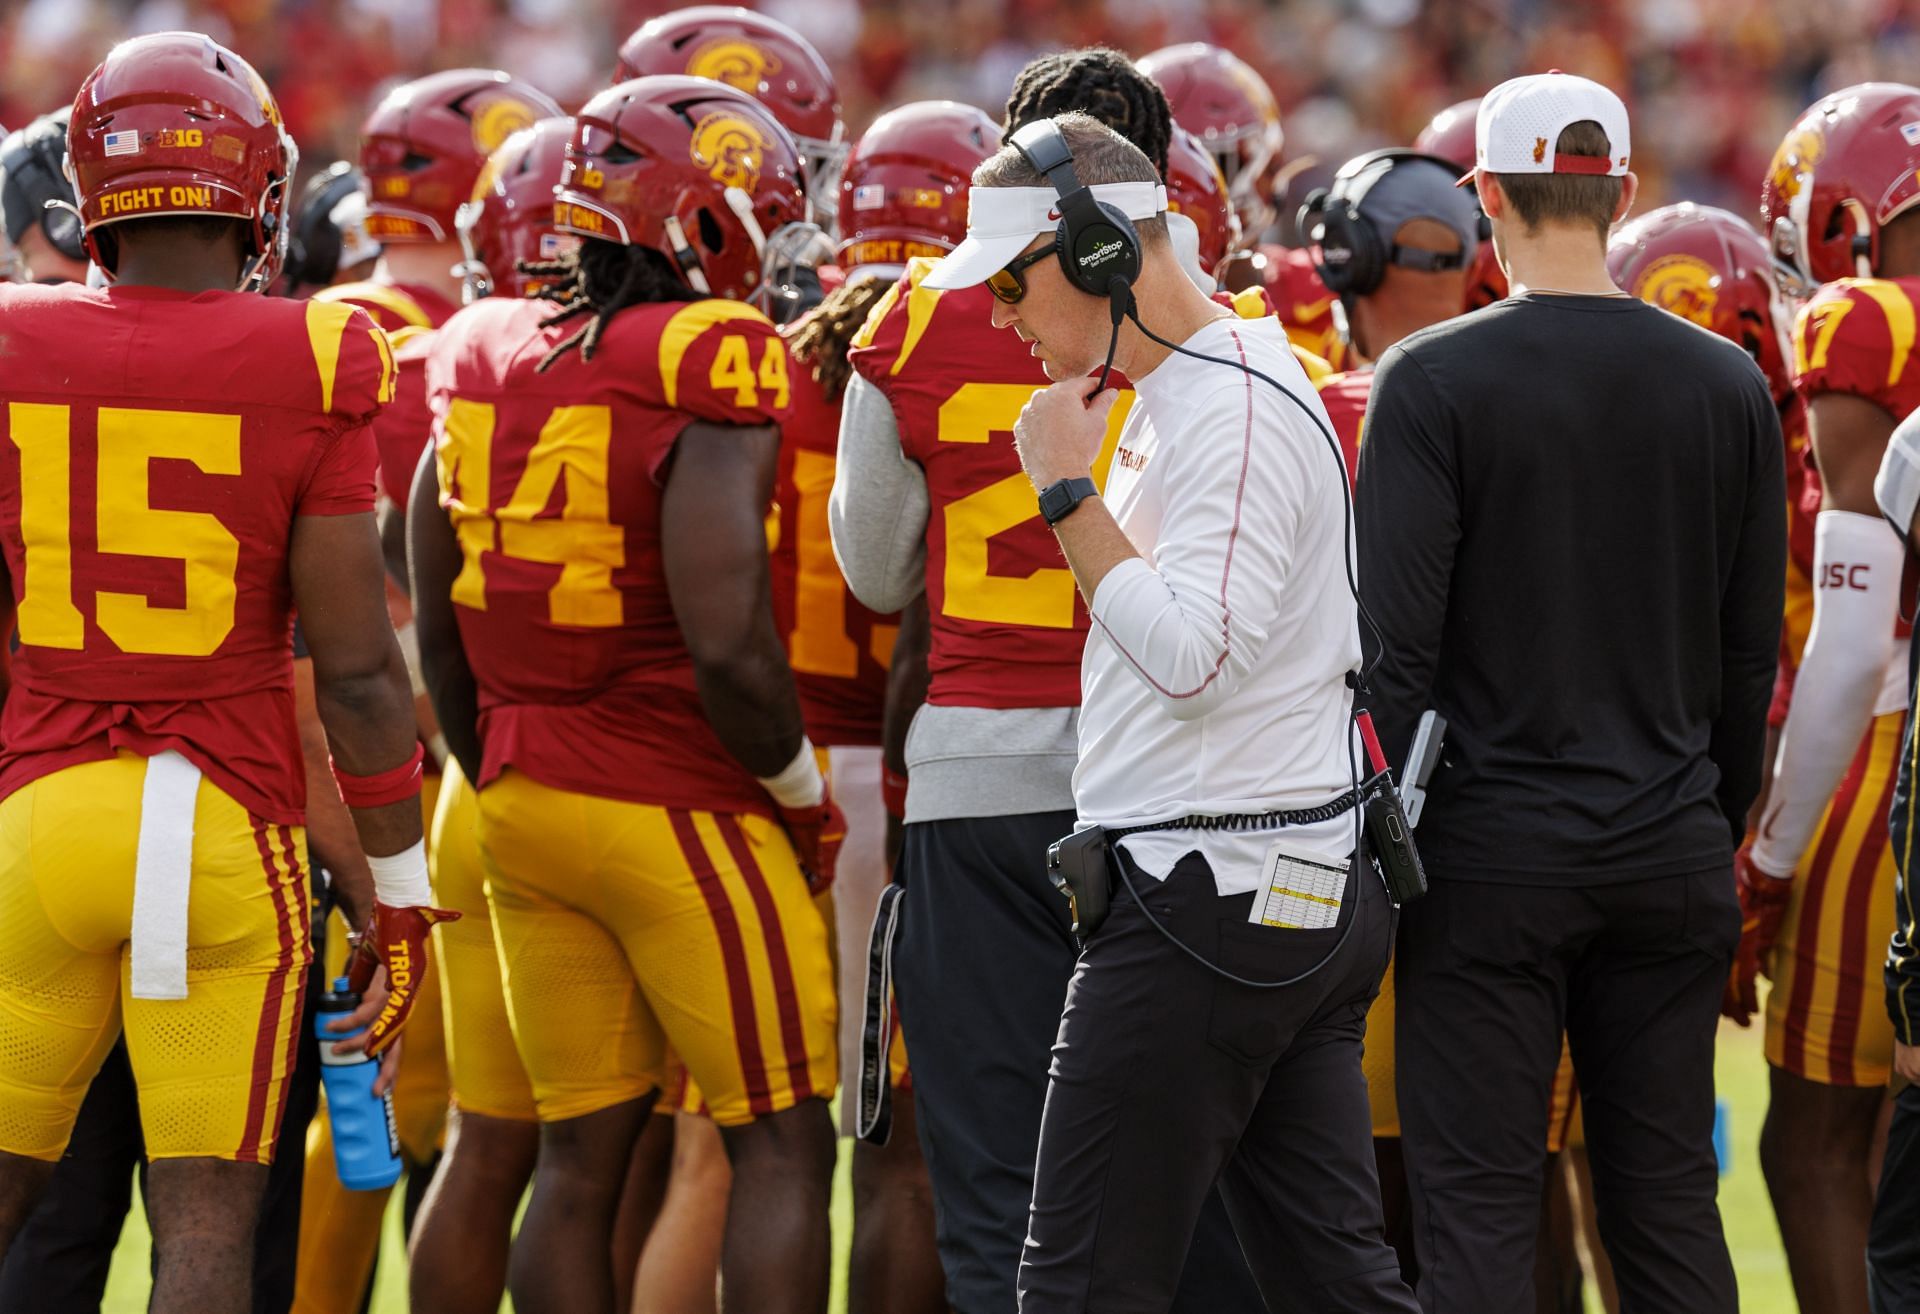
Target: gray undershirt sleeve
878,512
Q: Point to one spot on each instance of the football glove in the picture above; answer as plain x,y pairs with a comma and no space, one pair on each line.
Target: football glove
817,833
397,939
1763,906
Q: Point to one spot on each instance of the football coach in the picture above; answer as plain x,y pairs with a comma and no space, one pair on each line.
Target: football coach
1571,538
1213,1026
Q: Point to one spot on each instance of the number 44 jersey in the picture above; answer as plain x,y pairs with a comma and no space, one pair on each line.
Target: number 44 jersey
159,445
553,483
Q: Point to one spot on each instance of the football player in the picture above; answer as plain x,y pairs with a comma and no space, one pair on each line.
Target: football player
1450,136
1816,882
329,242
1197,192
929,497
460,1240
902,197
606,665
153,872
769,61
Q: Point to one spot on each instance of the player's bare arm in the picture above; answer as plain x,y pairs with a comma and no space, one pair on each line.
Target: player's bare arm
714,547
1849,437
433,556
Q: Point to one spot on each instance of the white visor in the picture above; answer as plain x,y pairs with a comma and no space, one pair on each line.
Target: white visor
1001,221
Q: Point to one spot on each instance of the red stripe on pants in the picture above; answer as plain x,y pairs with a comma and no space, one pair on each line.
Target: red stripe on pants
733,954
793,1035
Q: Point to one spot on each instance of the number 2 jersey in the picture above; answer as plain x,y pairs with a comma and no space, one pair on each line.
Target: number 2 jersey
159,446
553,483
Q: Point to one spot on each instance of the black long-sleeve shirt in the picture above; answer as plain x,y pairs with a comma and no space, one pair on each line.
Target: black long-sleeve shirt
1572,534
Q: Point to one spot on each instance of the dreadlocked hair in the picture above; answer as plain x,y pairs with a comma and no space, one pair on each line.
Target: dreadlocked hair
822,339
1101,82
601,279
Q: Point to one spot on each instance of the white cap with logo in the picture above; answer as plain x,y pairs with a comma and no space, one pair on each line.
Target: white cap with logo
1520,122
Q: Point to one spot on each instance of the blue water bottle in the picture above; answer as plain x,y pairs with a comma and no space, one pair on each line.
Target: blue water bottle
366,1145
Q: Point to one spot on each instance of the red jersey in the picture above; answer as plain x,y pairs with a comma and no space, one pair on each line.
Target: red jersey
553,483
1345,397
160,444
839,649
1008,625
1854,336
1303,303
409,312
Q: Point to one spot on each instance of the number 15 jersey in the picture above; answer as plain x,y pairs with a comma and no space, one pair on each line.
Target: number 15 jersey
158,446
553,483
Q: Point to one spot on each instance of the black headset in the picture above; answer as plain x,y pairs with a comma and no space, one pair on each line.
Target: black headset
313,251
1352,256
31,174
1098,248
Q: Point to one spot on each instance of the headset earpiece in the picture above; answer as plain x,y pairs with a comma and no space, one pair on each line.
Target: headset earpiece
1096,242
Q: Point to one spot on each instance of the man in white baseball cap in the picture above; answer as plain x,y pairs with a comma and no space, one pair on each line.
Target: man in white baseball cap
1568,511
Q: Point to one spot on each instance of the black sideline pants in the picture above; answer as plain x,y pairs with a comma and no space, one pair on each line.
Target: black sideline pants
1168,1079
1489,975
981,963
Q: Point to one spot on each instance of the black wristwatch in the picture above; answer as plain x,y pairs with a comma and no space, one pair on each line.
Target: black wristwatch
1059,498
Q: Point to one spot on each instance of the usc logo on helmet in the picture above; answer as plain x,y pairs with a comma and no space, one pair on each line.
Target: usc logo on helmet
1682,284
1794,161
499,120
740,64
730,149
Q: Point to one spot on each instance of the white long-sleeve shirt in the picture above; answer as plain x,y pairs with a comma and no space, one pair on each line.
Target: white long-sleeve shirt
1214,679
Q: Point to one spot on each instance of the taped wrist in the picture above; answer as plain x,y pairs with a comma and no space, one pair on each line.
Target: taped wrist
800,784
400,880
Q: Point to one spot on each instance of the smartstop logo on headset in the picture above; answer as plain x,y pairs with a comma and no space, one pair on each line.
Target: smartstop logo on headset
1101,254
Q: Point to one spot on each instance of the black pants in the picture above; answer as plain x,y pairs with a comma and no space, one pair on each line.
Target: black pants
60,1257
1893,1244
981,963
1489,976
1168,1078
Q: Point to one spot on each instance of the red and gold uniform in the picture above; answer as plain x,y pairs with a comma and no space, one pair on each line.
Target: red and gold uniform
839,649
1825,1019
147,524
409,313
642,891
1008,625
1303,303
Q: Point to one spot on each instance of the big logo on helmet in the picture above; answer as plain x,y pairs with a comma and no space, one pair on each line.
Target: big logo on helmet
1682,284
730,148
740,64
498,120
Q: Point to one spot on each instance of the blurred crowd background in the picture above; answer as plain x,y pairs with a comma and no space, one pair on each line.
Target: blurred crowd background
1712,84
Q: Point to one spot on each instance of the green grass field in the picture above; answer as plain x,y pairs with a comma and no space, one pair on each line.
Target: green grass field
1751,1233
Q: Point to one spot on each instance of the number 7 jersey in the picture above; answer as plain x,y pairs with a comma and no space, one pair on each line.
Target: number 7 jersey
159,446
553,484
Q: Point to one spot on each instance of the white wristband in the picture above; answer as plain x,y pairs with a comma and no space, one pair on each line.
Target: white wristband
400,880
800,785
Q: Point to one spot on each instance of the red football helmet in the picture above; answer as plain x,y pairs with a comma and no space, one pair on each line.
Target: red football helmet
1450,136
1843,171
1196,189
424,143
764,58
1217,97
175,123
688,167
904,190
1710,266
510,218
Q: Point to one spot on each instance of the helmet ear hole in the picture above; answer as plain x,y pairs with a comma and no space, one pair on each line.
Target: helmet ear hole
711,234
